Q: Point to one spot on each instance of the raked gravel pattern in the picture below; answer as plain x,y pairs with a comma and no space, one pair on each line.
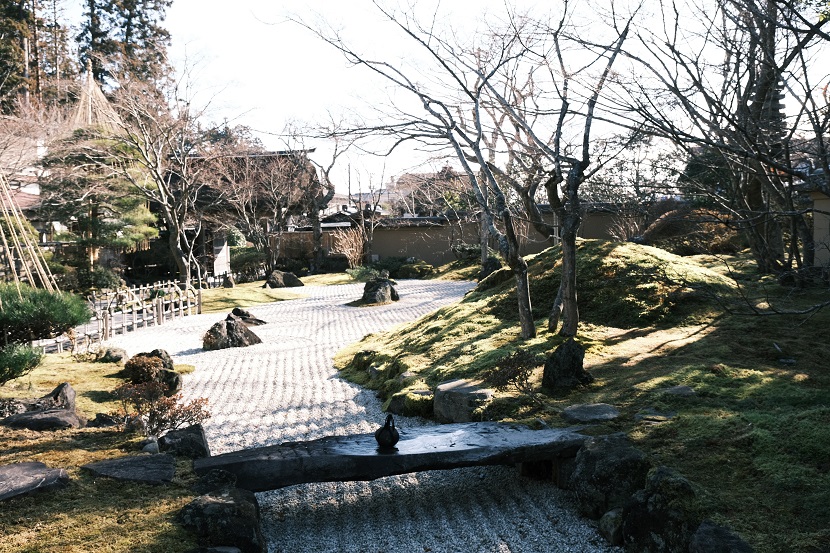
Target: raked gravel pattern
287,389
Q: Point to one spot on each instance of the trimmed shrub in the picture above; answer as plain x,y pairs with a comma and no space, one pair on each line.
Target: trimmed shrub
39,314
98,278
142,368
17,360
419,269
364,273
249,262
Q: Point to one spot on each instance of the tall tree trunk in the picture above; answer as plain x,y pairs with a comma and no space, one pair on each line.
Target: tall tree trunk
565,306
509,246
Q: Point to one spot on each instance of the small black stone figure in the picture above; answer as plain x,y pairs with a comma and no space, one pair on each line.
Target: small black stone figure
387,436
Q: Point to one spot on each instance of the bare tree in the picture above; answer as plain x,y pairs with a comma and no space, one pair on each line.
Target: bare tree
714,78
440,126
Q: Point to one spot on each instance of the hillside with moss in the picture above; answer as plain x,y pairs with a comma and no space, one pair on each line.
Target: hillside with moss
754,438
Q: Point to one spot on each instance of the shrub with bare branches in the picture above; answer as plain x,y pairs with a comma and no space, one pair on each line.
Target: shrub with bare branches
349,242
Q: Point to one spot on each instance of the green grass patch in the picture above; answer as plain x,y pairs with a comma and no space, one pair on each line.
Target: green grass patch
221,300
89,514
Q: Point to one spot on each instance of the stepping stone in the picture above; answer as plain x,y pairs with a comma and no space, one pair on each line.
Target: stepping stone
680,391
652,416
590,412
23,478
455,400
150,469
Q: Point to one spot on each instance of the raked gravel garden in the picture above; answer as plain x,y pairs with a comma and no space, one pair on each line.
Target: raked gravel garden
287,389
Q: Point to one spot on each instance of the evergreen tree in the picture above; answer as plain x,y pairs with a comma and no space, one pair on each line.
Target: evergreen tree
14,31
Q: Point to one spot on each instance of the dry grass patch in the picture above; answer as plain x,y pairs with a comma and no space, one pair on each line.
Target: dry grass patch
222,300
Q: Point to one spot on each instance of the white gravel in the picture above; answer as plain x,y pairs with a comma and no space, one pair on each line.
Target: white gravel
287,389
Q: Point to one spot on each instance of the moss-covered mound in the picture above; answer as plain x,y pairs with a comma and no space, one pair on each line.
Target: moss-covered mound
620,285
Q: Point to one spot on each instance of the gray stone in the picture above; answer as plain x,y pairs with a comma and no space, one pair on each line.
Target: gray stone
247,317
187,442
23,478
712,538
564,368
228,518
217,549
661,518
150,469
280,279
230,333
379,290
50,419
214,481
228,282
113,355
490,266
652,416
150,445
607,470
171,379
590,412
456,400
62,397
103,420
680,391
610,526
357,457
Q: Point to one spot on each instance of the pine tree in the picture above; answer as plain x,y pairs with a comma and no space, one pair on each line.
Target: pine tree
14,32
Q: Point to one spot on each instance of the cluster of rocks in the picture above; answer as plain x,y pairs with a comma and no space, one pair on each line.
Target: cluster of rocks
54,411
233,332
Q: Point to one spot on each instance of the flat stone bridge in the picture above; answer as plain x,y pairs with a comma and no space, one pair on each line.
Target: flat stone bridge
357,457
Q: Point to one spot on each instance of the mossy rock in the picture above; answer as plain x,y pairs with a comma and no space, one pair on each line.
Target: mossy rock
421,269
411,403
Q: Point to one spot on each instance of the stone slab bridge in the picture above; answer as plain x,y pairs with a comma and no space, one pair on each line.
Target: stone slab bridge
357,457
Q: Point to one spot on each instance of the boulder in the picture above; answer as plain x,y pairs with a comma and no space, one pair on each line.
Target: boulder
227,518
281,279
113,355
412,403
62,397
610,526
23,478
661,518
590,412
230,333
607,471
247,317
171,379
228,282
563,369
379,290
711,538
455,400
50,419
490,266
187,442
217,549
149,469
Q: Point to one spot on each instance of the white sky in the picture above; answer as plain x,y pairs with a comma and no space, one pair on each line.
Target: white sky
260,70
